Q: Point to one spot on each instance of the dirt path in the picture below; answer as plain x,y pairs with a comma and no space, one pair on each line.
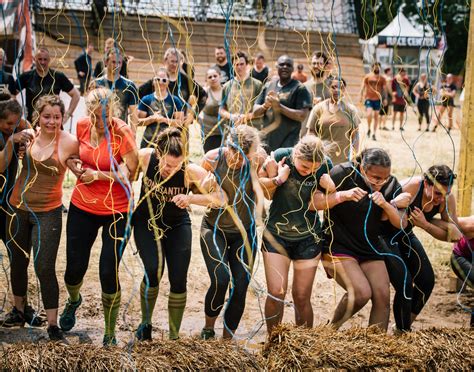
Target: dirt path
441,311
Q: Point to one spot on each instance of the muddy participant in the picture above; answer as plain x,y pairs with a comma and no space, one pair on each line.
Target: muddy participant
293,231
43,80
337,121
285,103
374,88
159,110
353,254
14,135
228,235
409,267
162,227
101,199
209,118
36,219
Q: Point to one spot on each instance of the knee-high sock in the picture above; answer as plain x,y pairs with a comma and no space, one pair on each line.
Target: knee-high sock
111,305
74,291
148,296
176,305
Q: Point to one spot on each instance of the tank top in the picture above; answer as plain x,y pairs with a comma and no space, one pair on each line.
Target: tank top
158,195
418,202
39,186
241,196
209,115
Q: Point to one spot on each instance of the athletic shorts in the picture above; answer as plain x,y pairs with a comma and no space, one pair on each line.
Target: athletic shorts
448,102
399,108
384,110
304,249
373,104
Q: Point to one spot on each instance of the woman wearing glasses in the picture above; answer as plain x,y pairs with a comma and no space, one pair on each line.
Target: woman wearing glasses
209,116
353,253
410,270
159,110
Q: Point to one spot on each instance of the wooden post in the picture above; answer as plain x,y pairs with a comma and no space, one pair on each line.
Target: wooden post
466,151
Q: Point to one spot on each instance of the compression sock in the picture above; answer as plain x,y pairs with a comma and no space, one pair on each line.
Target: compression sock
176,305
74,291
148,296
111,305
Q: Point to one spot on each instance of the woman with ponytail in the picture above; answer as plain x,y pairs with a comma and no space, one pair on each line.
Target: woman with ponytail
353,254
293,233
162,226
410,270
228,234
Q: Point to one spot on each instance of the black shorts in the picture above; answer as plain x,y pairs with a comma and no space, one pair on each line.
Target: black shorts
399,108
304,249
448,102
384,110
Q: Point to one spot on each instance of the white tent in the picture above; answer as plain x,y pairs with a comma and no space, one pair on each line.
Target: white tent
403,44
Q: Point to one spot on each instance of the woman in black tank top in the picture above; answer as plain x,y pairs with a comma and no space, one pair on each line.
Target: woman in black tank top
162,227
410,270
228,235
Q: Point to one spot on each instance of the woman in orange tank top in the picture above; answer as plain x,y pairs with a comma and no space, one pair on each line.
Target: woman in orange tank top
36,200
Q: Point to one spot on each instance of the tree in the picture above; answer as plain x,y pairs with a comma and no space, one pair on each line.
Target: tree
449,17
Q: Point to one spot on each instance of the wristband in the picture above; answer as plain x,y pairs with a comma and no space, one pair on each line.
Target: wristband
96,176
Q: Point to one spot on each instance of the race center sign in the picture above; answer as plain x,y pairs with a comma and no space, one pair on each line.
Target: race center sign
410,42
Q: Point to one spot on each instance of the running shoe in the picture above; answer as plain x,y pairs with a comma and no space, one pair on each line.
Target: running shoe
32,317
144,332
15,318
207,334
67,319
55,334
109,340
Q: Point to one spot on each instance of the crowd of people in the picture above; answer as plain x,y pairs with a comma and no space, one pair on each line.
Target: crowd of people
265,136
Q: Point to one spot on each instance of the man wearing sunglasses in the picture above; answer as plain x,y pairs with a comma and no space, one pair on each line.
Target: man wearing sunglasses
285,103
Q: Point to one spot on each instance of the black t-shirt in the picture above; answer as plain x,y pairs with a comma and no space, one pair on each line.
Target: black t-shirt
126,91
225,72
262,75
36,86
83,63
7,82
280,127
182,88
354,228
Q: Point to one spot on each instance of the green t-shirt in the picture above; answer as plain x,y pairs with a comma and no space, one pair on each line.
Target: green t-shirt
289,215
240,97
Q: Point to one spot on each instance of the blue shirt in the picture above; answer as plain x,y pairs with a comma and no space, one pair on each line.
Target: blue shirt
126,91
166,107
